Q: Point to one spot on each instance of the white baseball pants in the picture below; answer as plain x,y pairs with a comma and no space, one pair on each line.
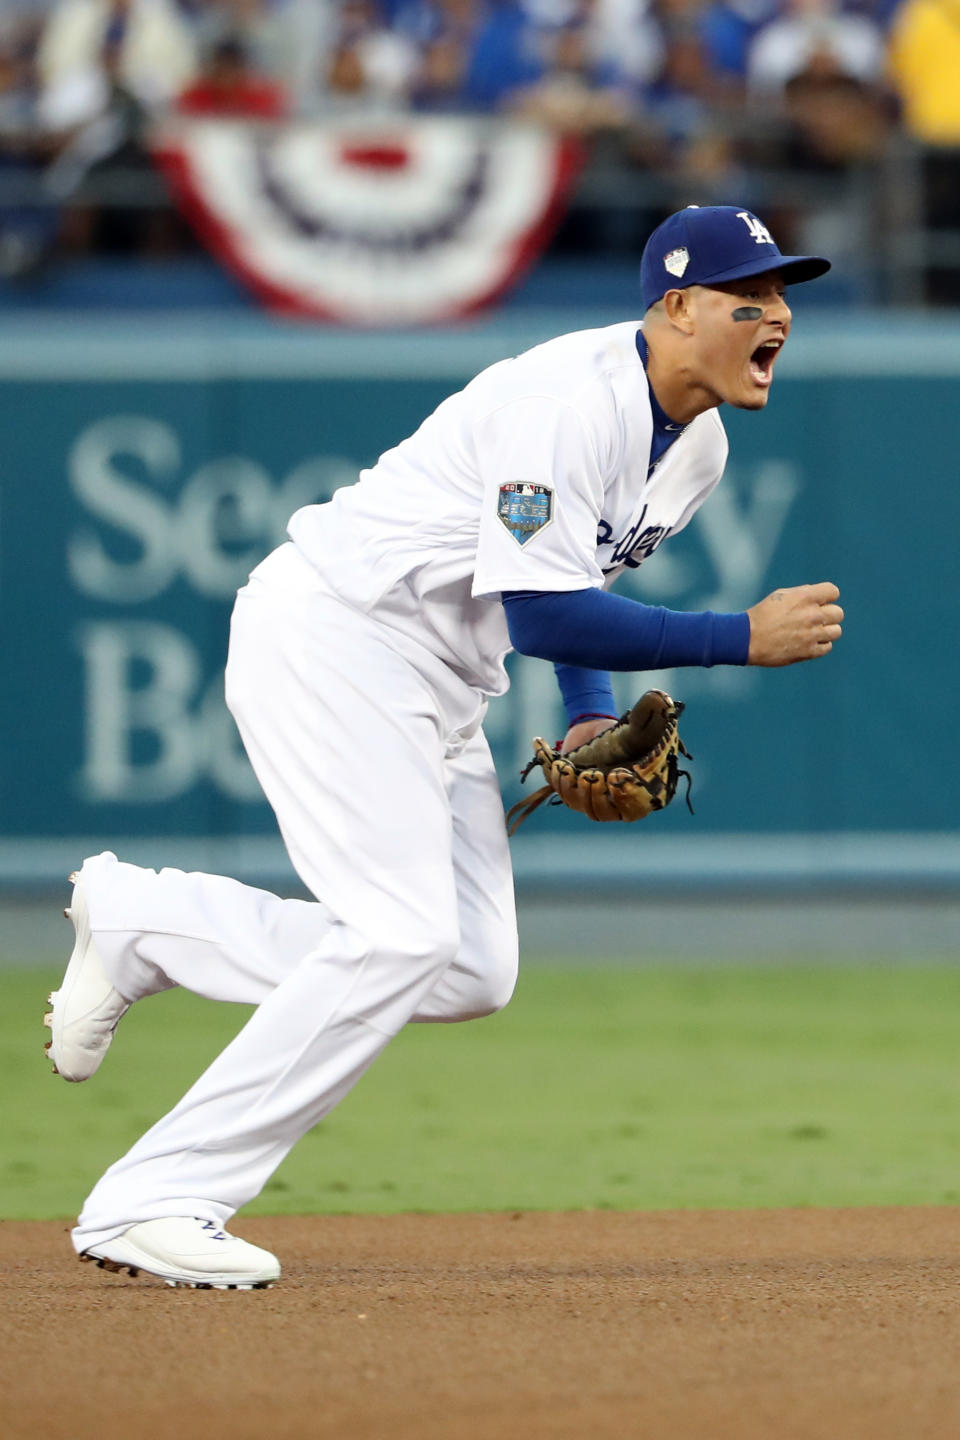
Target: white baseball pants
370,752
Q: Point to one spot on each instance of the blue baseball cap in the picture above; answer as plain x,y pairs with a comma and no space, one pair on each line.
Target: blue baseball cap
708,244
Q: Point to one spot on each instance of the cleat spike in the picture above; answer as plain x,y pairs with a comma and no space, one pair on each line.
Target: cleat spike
74,876
155,1249
48,1019
66,913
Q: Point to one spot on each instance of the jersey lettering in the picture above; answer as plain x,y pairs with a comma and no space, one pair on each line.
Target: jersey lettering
647,541
756,227
637,545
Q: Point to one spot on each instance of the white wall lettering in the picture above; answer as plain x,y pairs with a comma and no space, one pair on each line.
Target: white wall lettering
144,680
123,504
148,525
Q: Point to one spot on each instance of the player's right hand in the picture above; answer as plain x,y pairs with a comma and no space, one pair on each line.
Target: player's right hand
801,623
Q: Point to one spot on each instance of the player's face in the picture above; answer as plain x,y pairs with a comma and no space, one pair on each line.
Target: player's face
741,326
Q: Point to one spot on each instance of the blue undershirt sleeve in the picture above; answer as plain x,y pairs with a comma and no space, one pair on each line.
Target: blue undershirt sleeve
595,630
587,694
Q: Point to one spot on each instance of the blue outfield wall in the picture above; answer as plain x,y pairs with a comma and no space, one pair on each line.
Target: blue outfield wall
146,466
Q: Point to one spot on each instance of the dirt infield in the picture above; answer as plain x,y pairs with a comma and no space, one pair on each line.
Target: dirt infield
766,1325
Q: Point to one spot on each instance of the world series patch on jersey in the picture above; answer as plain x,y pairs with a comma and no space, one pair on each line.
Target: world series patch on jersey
525,509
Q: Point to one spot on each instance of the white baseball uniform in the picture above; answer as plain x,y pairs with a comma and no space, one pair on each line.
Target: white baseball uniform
362,655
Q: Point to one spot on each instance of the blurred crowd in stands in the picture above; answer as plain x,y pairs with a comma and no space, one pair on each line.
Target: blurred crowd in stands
704,94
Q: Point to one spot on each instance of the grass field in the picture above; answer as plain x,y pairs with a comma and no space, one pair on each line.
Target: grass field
611,1088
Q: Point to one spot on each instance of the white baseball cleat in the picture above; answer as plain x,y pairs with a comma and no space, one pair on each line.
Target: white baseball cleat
86,1008
186,1251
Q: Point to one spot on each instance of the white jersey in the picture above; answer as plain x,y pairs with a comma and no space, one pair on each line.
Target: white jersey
535,476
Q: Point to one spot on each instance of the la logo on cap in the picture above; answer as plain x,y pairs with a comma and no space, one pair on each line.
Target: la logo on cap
677,261
756,227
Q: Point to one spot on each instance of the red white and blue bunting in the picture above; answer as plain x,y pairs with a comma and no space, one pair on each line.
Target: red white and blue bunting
400,222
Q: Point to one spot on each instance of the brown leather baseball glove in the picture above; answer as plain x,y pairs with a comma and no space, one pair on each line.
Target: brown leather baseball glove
623,774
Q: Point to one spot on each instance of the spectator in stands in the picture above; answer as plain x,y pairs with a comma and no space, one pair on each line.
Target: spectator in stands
443,33
620,37
690,135
815,89
729,28
27,230
574,63
832,123
108,67
575,95
685,95
88,45
825,68
924,65
837,120
371,66
18,93
228,85
813,33
924,62
505,57
285,41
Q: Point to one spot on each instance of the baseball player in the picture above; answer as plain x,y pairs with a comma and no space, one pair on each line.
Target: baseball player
363,653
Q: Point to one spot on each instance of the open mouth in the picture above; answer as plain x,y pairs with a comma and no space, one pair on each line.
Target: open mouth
761,361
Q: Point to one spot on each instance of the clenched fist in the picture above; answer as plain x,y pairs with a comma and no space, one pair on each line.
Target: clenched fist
801,623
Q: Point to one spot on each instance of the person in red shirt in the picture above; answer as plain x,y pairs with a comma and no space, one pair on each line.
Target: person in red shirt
228,86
